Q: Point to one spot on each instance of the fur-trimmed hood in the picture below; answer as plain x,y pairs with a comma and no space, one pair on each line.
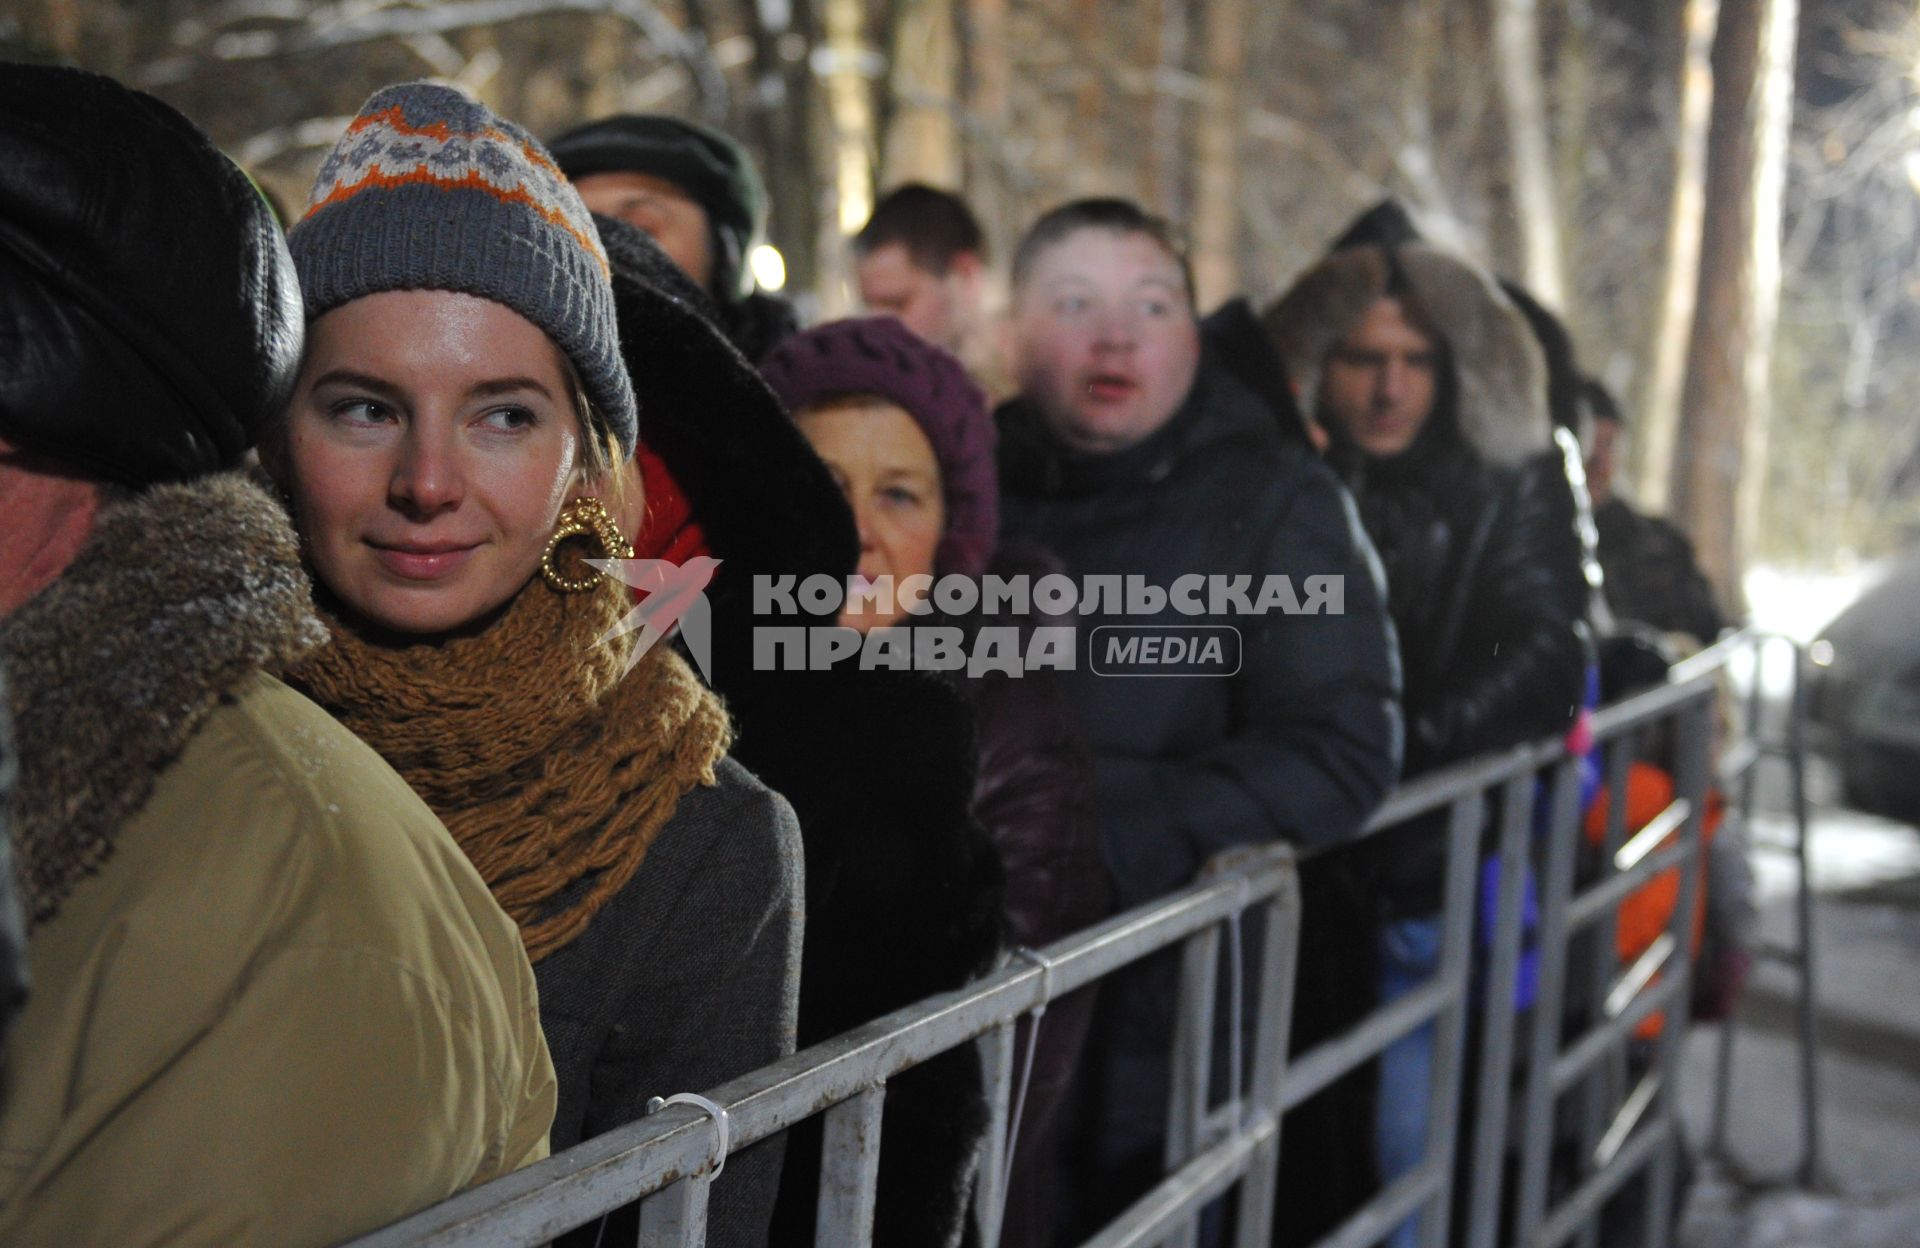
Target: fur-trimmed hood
1500,375
181,593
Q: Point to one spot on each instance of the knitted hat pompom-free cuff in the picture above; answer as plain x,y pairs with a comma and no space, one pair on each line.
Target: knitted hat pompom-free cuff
881,357
429,190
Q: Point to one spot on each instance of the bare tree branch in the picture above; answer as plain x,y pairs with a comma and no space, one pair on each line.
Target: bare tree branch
352,22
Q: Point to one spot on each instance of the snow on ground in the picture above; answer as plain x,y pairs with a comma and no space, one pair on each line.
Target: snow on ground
1866,878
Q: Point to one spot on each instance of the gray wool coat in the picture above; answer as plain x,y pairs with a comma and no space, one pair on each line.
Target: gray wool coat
688,978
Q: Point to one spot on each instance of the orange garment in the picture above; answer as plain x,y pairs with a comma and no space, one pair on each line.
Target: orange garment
1648,910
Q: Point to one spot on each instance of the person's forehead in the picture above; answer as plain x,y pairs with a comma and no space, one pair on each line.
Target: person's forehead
1097,254
1387,322
440,336
889,263
877,425
633,182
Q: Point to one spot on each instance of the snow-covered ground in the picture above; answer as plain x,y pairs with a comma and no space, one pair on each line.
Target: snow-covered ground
1866,879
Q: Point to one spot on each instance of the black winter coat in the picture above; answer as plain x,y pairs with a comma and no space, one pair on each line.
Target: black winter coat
1304,740
1299,744
1488,592
1652,577
1486,587
902,885
1035,798
1479,524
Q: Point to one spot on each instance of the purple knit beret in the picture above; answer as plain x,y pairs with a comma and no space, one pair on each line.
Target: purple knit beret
880,356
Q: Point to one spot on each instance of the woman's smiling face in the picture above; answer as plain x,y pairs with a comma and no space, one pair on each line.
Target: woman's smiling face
431,442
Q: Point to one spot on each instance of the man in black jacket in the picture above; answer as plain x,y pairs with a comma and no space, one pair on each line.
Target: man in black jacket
1652,577
1430,389
1131,455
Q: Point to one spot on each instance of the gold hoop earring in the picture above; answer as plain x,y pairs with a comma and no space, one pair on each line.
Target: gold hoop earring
586,518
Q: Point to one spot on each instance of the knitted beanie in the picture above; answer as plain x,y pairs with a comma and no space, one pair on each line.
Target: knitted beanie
879,356
428,190
708,165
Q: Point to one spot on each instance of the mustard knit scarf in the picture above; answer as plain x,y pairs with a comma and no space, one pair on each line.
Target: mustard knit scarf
553,772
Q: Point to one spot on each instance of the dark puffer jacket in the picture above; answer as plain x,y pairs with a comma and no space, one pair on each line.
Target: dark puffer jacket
1298,744
1477,524
903,887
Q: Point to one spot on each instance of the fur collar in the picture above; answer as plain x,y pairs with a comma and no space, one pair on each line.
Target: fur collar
1502,387
181,593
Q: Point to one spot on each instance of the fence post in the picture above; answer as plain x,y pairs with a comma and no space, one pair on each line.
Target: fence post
1496,1048
1805,1006
989,1188
1756,734
1556,894
1693,746
850,1171
676,1216
1192,1067
1464,821
1279,958
1599,936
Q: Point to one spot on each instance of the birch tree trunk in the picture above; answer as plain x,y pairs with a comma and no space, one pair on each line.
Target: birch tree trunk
850,111
1216,209
1659,423
1516,33
984,54
1167,157
1723,412
922,141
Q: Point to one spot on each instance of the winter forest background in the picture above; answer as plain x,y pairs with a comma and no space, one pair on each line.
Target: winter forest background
1722,199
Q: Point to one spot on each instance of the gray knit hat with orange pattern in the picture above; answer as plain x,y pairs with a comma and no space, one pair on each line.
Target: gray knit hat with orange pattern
429,190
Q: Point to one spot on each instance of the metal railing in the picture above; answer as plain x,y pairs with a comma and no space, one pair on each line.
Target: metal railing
667,1158
1568,1083
1738,772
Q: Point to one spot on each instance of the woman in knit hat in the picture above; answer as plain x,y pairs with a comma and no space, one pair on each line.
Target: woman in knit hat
461,412
908,437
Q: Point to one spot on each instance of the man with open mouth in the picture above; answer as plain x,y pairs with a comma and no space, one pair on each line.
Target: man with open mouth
1134,456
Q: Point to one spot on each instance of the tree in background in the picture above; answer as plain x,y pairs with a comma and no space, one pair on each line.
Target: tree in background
1561,142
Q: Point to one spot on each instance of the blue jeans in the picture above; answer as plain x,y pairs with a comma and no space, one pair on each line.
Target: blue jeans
1409,955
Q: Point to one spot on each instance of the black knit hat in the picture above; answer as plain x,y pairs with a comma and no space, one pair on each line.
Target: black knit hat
710,166
149,317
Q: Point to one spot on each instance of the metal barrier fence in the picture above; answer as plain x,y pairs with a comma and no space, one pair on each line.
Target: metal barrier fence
1568,1083
1737,773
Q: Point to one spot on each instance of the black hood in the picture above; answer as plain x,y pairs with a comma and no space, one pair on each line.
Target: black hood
764,499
